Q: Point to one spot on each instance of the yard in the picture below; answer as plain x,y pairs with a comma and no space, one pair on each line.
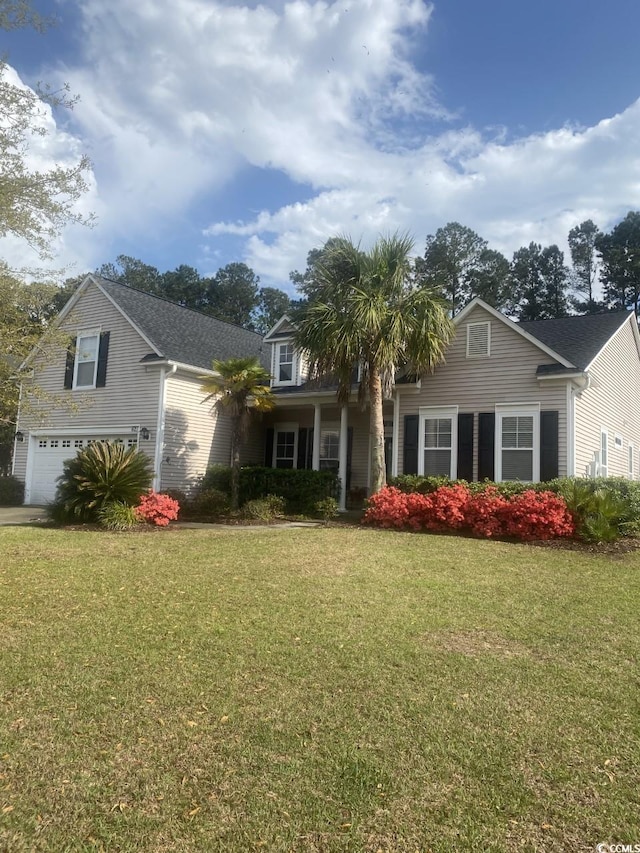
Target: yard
315,690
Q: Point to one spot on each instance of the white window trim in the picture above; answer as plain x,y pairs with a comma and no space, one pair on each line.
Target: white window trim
86,333
604,457
329,426
518,410
276,365
486,323
440,412
285,427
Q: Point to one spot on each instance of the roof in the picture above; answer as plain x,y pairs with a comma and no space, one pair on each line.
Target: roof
182,334
578,339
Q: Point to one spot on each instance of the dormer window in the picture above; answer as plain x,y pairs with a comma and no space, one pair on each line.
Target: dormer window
478,340
285,364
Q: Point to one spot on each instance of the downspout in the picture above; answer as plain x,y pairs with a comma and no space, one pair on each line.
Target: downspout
162,406
575,391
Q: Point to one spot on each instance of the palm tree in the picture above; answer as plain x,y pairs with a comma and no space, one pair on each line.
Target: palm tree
365,312
241,385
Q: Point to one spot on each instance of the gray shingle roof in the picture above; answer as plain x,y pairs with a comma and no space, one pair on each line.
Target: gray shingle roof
181,334
577,339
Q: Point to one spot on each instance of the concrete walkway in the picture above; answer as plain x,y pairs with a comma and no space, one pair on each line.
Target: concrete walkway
22,515
38,515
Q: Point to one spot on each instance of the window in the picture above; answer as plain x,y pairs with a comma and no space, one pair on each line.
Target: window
438,436
284,368
630,467
329,448
518,444
617,440
86,362
478,340
604,453
285,446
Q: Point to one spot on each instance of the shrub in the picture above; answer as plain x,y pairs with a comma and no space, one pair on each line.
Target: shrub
537,515
157,508
387,508
264,509
208,503
484,512
448,507
528,515
11,491
301,488
218,478
327,509
102,473
118,516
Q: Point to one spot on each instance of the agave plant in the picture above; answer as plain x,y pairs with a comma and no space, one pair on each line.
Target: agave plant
100,474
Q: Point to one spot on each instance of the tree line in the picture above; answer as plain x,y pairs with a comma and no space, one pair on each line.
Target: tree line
603,272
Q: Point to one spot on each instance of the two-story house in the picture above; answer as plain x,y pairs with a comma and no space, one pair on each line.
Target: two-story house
512,401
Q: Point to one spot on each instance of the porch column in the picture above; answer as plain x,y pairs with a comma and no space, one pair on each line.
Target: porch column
396,435
315,457
342,458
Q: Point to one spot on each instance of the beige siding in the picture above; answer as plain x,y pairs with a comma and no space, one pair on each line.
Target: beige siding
611,402
507,375
131,395
195,434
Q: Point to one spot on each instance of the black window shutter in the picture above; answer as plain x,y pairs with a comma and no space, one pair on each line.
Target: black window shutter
309,464
410,456
465,446
303,434
68,369
103,355
268,447
548,446
486,445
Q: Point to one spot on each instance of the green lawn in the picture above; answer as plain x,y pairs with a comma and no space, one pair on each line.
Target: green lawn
315,690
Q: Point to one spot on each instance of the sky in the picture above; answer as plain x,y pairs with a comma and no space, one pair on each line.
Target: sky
222,131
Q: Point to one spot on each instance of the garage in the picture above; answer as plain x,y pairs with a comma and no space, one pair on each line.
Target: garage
48,453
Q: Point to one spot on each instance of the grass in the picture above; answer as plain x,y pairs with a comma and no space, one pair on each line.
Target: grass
314,690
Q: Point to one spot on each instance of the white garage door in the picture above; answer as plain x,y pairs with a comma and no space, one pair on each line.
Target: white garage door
49,454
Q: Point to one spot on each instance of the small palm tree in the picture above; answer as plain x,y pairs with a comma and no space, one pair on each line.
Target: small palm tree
240,387
363,310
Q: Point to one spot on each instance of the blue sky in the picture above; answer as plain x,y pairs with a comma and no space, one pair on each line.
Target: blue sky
221,131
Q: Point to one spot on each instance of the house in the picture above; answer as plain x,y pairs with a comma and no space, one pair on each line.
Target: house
513,401
132,374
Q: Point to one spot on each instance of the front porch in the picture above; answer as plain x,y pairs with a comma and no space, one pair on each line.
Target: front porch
290,433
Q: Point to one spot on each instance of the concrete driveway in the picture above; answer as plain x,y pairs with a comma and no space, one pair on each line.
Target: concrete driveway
22,514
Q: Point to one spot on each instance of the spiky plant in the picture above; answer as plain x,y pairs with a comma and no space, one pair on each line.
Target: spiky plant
102,473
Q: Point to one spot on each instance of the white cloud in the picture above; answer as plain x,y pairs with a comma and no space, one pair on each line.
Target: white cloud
179,96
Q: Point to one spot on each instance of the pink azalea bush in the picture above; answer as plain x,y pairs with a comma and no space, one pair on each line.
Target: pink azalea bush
156,508
529,515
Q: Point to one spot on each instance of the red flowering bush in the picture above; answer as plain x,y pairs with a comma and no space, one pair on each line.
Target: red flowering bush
387,508
419,510
537,515
528,515
156,508
448,507
484,513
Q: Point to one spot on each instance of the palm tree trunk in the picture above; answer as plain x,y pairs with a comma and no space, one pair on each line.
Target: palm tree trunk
235,467
376,431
